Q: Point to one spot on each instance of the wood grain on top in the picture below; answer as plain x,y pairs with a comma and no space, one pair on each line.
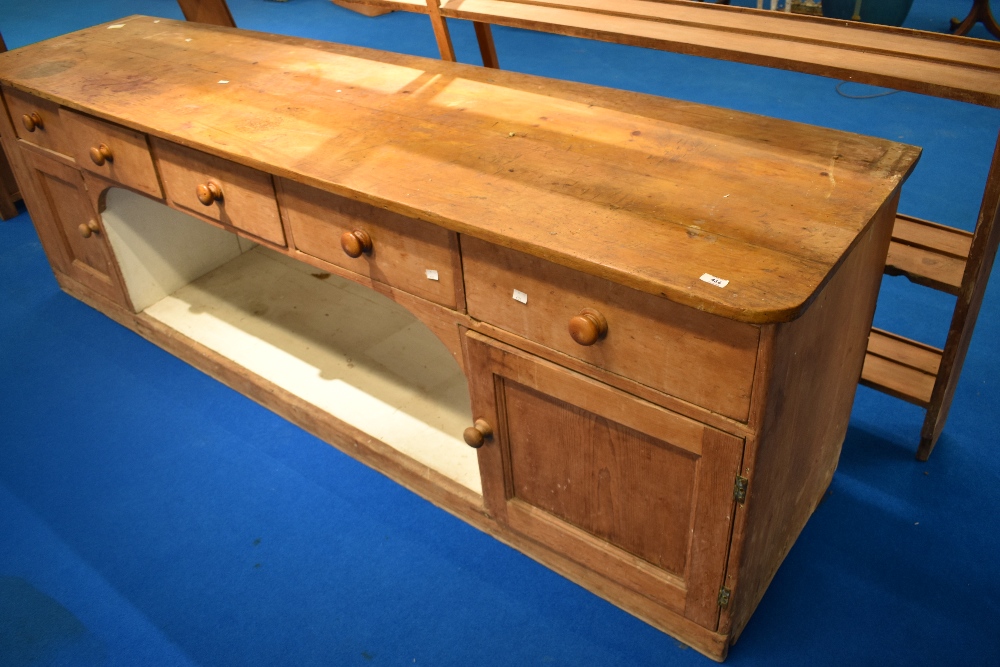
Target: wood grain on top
648,192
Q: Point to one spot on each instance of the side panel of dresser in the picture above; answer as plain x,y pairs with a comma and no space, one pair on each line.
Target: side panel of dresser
810,368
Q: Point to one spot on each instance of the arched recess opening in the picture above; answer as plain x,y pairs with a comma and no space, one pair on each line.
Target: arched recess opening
340,346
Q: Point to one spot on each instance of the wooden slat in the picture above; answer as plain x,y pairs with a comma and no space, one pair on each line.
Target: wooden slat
932,270
940,65
897,380
901,367
928,254
914,354
932,236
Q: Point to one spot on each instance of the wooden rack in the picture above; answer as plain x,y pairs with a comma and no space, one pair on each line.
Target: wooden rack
946,66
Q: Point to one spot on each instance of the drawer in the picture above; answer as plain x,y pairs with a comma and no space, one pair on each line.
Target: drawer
411,255
219,190
701,358
115,152
37,121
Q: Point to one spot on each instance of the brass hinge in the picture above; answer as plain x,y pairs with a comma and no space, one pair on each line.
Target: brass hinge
724,595
740,490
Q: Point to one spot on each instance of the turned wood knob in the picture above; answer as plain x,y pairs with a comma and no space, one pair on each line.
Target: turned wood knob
31,121
209,192
100,154
476,435
90,228
356,243
588,327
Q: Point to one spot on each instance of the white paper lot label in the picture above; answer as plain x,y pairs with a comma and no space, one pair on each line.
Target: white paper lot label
712,280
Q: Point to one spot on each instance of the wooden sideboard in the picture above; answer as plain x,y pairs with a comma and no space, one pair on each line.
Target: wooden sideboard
620,333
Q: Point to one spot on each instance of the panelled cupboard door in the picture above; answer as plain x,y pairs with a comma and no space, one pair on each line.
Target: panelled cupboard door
634,492
69,227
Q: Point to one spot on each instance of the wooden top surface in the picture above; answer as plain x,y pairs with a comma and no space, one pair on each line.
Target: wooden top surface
959,68
648,192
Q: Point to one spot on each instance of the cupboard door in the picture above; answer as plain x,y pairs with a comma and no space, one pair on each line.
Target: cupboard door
68,226
632,491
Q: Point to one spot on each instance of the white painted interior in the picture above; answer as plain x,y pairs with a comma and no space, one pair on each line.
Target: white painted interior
160,249
337,345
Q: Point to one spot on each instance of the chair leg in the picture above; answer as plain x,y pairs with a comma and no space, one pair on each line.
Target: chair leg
440,26
980,12
488,50
215,12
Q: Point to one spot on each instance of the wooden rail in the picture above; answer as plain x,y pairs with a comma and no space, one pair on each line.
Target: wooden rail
928,253
946,66
920,62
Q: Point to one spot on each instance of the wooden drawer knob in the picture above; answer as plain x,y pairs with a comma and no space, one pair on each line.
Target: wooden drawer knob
31,121
88,229
588,327
208,193
356,243
100,154
476,435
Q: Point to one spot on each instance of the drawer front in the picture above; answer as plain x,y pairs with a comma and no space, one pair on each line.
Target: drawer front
116,153
703,359
407,254
37,121
219,190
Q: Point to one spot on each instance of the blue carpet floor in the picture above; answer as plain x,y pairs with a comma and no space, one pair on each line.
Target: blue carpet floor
151,516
